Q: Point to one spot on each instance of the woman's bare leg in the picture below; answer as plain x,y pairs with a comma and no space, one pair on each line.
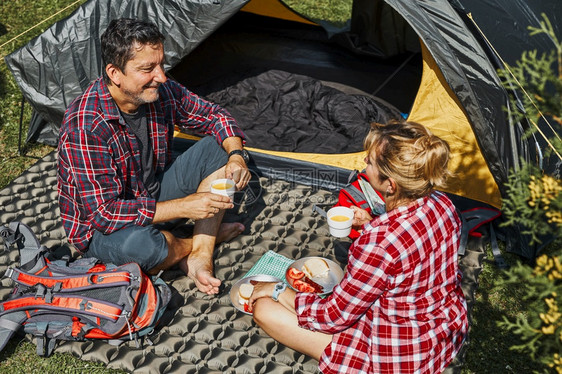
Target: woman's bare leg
281,324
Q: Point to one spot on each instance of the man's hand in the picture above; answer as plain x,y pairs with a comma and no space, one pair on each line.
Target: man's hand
199,205
237,170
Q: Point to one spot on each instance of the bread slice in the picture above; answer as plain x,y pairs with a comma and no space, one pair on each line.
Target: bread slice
316,268
244,293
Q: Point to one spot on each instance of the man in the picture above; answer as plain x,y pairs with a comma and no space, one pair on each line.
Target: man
116,179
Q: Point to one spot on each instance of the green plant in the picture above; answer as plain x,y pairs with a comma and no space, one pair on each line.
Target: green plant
539,79
535,199
541,328
534,203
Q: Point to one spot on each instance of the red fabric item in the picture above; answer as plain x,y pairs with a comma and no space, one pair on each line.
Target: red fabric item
77,326
480,219
347,198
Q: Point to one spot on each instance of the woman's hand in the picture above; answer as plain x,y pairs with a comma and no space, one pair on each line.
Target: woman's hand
261,289
360,217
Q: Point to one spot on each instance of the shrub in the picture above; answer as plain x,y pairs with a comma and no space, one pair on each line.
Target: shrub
534,203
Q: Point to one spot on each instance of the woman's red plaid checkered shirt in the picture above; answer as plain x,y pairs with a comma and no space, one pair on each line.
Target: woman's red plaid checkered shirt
400,307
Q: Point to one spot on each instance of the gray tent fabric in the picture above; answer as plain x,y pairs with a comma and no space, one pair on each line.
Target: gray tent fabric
58,65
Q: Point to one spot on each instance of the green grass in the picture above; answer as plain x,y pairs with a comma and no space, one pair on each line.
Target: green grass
20,357
19,17
489,349
337,12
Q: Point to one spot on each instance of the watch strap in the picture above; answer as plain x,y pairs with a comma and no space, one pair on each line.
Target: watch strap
240,152
278,290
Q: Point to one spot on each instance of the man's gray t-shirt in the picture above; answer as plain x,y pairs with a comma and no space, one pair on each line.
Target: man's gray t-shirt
138,124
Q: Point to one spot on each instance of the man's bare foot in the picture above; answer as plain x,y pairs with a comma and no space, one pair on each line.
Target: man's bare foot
200,269
229,231
202,274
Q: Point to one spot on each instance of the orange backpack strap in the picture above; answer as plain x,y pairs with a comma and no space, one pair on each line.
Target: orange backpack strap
73,283
64,303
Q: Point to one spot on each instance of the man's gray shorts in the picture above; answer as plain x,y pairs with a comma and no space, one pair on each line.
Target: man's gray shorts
146,245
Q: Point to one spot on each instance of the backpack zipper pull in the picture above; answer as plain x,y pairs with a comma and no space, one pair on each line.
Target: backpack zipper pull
159,274
135,338
127,315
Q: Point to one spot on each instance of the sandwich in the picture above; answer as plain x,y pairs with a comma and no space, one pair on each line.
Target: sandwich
316,268
244,293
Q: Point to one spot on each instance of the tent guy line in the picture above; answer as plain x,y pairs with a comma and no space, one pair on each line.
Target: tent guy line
506,66
40,22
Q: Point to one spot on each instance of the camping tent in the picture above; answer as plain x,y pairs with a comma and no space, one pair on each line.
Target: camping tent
428,60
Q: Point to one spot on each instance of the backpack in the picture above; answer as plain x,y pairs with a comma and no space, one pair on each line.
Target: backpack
63,299
359,192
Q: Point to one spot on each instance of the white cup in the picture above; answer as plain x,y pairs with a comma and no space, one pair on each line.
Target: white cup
340,219
224,186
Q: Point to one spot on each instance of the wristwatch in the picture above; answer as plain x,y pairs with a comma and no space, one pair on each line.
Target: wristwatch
278,290
241,152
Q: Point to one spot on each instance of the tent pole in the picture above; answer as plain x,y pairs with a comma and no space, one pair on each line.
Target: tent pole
20,150
394,73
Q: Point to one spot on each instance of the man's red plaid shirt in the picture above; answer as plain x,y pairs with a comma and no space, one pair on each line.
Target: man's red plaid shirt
100,179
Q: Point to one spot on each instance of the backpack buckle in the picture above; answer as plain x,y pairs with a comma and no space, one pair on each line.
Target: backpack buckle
9,272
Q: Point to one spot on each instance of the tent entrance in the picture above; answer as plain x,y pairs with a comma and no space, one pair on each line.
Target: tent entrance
248,48
248,45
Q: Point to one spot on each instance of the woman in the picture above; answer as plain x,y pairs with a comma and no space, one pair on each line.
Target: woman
399,307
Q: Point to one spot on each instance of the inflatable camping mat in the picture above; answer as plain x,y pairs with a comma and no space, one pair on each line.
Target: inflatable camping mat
205,334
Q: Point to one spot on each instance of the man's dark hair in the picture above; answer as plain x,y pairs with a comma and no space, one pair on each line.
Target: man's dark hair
120,37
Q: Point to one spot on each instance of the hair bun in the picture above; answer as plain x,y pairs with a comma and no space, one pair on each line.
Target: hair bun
411,155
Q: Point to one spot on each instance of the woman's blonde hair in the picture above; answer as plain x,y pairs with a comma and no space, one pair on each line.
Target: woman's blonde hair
411,155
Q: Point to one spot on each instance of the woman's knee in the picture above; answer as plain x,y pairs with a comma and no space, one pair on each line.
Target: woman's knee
264,311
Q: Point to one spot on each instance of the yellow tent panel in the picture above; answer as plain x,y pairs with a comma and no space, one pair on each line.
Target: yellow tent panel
275,9
437,108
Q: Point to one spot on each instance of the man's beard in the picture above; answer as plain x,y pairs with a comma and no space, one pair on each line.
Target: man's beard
138,99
